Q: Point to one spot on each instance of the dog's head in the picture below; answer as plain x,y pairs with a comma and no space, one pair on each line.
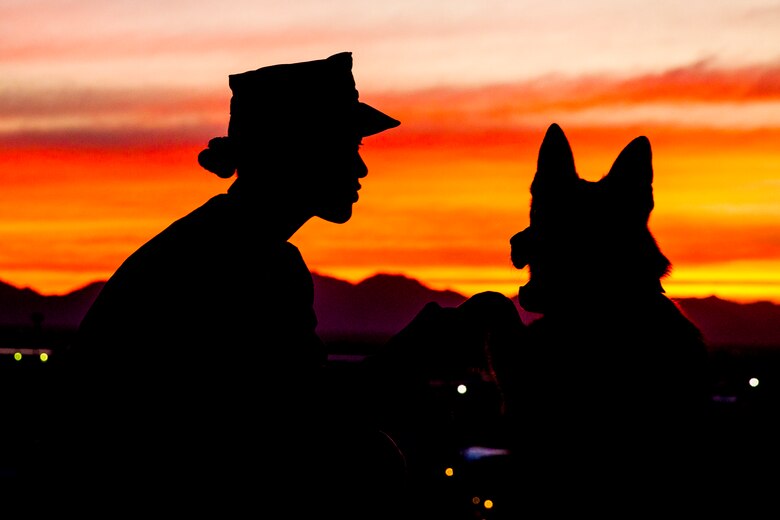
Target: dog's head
588,241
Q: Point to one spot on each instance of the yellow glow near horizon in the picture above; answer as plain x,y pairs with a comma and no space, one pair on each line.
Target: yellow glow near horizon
741,281
418,221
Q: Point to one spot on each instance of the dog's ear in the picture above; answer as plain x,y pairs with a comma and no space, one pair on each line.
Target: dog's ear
555,165
631,175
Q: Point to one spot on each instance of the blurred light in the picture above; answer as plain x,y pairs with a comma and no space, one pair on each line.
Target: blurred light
44,357
753,381
488,504
475,500
18,356
480,452
462,389
449,472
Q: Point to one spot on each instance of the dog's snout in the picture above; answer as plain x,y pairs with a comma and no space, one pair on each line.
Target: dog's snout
519,248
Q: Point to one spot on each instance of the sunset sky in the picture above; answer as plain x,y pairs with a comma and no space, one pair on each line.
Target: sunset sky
104,106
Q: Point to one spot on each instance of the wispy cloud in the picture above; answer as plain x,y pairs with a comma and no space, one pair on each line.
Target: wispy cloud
697,96
94,102
696,83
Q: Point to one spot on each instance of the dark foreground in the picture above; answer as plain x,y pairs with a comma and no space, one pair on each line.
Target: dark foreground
471,475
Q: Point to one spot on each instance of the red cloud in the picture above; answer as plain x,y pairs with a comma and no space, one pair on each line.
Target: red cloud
491,115
699,82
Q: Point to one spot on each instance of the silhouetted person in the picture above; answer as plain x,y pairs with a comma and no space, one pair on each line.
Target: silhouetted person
612,384
198,368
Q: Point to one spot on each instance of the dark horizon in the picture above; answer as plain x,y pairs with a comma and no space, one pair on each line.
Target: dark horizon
381,304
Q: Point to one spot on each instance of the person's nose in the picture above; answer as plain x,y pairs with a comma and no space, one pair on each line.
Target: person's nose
361,170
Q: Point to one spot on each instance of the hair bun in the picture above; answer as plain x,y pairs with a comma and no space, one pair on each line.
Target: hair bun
219,158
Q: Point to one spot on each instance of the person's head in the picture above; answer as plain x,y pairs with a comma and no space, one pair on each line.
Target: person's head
297,127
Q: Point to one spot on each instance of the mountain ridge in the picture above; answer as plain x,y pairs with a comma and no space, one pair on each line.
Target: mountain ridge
381,305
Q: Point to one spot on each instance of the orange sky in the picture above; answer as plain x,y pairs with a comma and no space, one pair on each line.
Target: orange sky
94,162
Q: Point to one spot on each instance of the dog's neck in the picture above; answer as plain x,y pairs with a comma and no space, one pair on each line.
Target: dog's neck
617,298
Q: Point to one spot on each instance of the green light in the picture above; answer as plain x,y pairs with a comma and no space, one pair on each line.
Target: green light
18,356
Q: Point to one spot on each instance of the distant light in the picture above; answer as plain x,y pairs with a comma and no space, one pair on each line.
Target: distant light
18,356
480,452
753,381
44,357
475,500
488,504
449,472
462,389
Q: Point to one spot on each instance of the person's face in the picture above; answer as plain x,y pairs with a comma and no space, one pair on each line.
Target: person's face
334,178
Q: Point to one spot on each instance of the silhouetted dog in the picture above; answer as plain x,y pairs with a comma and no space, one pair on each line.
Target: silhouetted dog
613,373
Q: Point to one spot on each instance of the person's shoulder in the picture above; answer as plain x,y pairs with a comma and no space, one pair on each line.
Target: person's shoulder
210,218
215,207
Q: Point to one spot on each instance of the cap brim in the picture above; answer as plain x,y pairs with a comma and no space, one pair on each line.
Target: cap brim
371,121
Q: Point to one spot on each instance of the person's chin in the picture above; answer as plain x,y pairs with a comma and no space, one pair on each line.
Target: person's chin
338,217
